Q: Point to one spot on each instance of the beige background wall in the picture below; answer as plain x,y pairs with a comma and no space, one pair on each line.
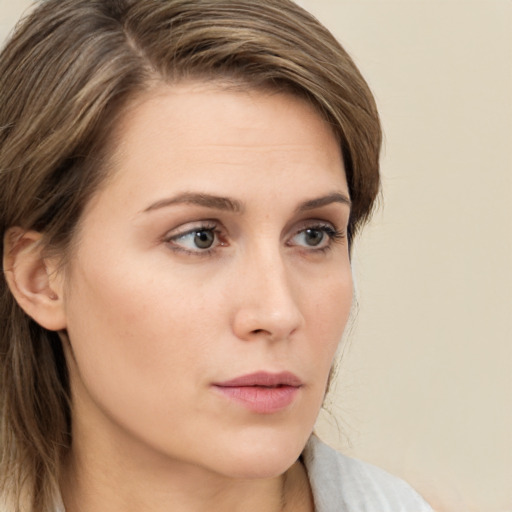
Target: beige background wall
425,386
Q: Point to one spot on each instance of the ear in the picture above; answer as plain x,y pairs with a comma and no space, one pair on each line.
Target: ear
34,281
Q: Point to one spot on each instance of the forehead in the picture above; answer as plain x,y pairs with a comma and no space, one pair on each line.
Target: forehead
210,113
224,105
182,136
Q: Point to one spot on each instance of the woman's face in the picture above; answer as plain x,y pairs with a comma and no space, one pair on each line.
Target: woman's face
211,283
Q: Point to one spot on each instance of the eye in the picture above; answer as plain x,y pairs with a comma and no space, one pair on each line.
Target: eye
203,239
317,237
199,239
314,237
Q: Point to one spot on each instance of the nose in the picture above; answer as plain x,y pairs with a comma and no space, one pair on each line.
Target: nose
267,304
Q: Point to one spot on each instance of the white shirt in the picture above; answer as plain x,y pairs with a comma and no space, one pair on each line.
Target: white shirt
342,484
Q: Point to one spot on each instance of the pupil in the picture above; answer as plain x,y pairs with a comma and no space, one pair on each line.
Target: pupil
204,239
314,236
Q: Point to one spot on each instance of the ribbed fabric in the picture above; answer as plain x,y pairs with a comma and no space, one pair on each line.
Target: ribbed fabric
342,484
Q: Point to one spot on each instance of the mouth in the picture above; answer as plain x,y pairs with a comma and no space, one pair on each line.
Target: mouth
262,392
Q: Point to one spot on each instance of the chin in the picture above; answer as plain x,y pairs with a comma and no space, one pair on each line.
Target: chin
263,454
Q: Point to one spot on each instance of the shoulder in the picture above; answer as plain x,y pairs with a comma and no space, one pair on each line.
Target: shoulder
343,484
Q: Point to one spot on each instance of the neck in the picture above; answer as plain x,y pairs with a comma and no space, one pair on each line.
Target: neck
88,489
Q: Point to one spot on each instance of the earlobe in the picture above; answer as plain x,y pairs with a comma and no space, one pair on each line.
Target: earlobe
33,280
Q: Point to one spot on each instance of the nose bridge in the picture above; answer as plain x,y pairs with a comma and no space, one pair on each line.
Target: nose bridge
267,303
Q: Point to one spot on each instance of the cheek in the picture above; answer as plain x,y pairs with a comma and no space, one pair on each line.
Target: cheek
131,331
331,308
328,314
141,351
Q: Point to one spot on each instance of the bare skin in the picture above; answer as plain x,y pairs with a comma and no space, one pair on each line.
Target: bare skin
289,493
216,250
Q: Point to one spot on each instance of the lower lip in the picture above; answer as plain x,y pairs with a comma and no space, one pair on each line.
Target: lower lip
260,399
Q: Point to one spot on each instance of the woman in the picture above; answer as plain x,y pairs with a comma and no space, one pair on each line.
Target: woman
180,186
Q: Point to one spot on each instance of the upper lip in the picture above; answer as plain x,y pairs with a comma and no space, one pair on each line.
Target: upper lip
264,379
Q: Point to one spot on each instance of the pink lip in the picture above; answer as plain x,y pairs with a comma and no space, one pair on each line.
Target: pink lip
262,392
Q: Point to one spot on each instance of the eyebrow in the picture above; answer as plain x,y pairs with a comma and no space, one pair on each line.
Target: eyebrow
335,197
236,206
205,200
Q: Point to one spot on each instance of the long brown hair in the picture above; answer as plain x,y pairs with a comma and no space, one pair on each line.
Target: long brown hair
65,76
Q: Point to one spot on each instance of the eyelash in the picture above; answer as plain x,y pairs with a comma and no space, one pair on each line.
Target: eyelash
335,236
170,240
